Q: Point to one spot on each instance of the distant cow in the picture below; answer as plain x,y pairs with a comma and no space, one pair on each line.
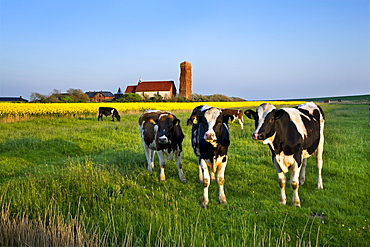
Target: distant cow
161,132
293,134
210,142
236,115
108,111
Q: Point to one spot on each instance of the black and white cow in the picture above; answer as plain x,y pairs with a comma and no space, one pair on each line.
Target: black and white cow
108,111
236,115
161,132
293,134
210,141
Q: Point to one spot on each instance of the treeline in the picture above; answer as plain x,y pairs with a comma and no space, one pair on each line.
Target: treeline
133,97
78,96
72,96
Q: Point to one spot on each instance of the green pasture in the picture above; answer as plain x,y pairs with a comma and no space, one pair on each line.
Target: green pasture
85,183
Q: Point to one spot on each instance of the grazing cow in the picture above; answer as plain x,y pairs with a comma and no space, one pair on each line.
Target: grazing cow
293,134
236,114
161,131
210,141
108,111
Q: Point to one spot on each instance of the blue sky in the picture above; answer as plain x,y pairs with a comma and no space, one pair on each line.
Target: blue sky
256,49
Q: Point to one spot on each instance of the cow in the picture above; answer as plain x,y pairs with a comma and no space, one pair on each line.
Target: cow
161,132
108,111
236,114
293,135
210,141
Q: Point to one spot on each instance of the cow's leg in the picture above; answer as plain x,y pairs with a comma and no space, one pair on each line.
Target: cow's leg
319,164
100,116
179,166
149,154
294,181
162,162
241,123
302,177
206,182
200,171
281,181
221,178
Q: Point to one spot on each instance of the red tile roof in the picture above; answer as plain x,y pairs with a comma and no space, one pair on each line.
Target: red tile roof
130,89
155,86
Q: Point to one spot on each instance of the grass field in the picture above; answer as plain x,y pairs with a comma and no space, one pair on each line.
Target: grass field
76,181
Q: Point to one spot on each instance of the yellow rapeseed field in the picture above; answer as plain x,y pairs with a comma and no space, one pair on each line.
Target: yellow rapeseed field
77,109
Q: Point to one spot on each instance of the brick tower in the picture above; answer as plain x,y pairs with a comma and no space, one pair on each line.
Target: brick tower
185,80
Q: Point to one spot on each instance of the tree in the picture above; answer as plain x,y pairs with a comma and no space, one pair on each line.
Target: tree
130,97
78,95
37,97
156,98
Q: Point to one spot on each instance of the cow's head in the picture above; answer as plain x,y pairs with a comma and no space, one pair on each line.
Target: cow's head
217,129
259,117
165,127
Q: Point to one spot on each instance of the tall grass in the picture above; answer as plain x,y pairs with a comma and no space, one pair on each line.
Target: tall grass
80,182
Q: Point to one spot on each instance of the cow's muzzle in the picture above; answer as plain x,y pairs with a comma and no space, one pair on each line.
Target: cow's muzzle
258,136
163,140
210,136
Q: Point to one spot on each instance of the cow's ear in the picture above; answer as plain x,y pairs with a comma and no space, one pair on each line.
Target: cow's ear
279,114
152,121
249,113
226,118
176,121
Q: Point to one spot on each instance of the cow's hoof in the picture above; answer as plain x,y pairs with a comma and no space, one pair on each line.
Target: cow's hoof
297,204
183,180
282,202
223,200
204,204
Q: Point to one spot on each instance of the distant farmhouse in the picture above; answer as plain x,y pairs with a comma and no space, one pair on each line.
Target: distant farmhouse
101,96
148,89
166,89
13,99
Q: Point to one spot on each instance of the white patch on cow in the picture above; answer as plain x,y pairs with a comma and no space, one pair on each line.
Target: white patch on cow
153,145
305,154
270,141
205,107
211,115
295,117
310,107
151,111
285,161
262,112
163,115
